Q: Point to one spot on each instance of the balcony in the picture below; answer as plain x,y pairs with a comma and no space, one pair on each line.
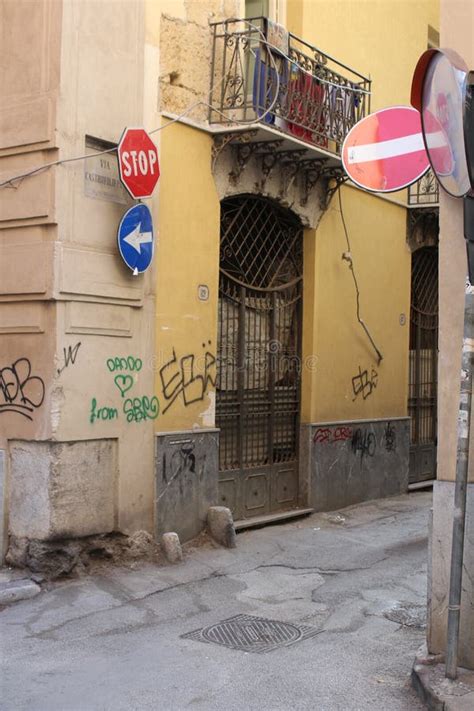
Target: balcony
425,192
266,77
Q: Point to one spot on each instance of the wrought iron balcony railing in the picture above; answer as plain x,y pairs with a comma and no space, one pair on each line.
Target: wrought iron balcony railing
425,191
261,73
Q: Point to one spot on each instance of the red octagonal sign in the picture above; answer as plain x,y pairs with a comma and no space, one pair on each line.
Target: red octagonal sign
138,162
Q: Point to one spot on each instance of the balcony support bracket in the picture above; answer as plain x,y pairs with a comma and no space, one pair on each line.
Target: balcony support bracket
223,139
268,161
243,152
334,177
311,173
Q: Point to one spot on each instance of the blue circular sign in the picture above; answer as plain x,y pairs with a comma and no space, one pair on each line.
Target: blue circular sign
135,238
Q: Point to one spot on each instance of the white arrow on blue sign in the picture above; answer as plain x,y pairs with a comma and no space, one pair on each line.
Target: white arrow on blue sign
135,238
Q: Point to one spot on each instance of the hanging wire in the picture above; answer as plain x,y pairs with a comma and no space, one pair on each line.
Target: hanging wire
348,257
10,182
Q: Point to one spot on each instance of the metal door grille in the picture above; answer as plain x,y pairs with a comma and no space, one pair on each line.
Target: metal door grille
258,375
423,364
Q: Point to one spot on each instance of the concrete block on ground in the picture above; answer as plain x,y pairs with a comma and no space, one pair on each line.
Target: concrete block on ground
221,526
171,547
18,590
62,489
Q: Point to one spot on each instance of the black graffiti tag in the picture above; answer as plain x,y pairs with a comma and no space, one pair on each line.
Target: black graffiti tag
70,356
182,379
390,438
20,391
364,385
364,442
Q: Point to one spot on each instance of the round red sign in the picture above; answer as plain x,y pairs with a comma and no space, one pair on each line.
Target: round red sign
385,152
138,162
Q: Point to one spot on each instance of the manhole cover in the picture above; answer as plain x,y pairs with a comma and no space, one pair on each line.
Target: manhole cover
252,634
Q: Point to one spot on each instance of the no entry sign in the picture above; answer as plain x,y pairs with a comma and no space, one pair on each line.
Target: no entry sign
385,151
138,162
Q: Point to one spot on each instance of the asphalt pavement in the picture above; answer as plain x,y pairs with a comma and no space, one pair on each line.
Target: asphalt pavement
325,613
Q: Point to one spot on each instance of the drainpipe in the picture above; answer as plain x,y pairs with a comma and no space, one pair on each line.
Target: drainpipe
460,491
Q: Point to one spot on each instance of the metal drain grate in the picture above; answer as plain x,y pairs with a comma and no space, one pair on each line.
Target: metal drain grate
252,634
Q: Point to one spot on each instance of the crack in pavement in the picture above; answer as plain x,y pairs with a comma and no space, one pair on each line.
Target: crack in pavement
215,574
323,571
130,601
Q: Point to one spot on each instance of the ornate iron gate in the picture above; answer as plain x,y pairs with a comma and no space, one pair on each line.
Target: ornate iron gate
258,363
422,393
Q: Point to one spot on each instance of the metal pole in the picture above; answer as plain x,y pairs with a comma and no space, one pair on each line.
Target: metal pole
462,465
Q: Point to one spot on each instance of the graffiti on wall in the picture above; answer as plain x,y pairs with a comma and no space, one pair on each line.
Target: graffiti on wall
362,440
390,438
102,413
364,384
20,391
130,363
69,356
188,377
338,434
137,408
180,462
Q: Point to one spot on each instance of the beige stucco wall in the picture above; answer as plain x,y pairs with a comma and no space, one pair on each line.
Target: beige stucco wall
457,32
68,304
101,304
29,87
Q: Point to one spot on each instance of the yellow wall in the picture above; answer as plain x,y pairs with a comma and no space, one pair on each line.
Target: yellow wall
381,262
187,256
381,39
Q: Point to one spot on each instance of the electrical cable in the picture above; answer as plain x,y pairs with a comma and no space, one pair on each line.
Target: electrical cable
356,284
10,182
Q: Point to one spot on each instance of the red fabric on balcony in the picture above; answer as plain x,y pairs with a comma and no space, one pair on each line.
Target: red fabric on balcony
306,110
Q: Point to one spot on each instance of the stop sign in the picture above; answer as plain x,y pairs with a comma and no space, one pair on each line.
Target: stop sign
138,162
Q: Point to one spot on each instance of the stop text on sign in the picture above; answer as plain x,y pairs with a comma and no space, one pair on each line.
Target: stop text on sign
138,162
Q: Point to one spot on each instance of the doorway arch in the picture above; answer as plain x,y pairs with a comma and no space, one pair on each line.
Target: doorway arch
259,355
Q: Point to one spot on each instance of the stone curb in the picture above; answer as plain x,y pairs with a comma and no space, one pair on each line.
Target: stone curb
437,692
17,590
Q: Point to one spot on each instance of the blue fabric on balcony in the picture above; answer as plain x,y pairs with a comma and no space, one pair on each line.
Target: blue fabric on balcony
264,87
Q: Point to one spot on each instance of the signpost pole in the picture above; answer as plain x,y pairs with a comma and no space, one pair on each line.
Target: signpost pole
465,400
460,491
441,81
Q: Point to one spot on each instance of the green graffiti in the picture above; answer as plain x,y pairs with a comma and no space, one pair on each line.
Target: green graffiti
102,413
139,409
121,363
124,383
